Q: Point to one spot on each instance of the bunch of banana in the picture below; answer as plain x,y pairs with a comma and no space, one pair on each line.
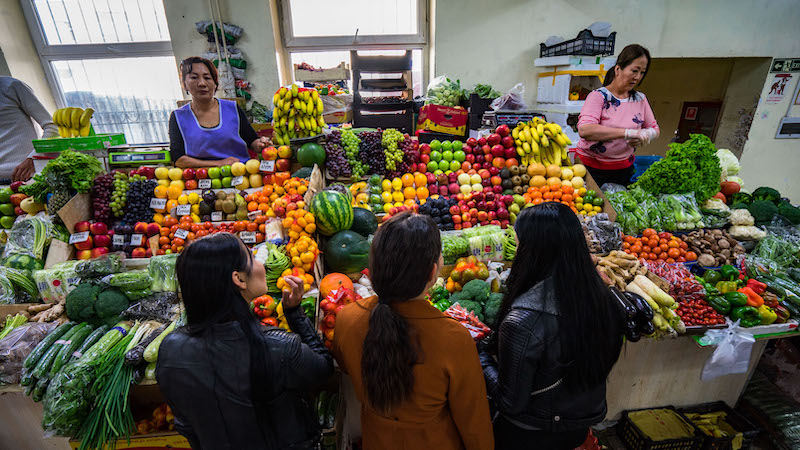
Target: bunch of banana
297,114
541,142
73,122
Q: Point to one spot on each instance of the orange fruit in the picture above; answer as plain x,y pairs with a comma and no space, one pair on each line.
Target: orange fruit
173,192
422,192
407,179
409,192
420,180
161,191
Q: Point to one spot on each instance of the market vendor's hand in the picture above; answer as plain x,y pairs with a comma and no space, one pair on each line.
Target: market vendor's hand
293,292
24,171
260,144
227,161
635,142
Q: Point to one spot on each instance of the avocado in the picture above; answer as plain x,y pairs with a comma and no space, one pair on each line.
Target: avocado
204,208
208,196
505,174
507,184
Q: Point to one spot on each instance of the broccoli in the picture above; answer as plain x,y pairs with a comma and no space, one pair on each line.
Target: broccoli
476,290
739,205
741,197
762,210
80,302
767,194
473,306
110,303
791,213
492,307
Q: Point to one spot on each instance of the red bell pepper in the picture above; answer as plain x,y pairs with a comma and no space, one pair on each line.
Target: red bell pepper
757,286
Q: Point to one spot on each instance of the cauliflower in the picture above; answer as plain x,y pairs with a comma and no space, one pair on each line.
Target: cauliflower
746,232
741,217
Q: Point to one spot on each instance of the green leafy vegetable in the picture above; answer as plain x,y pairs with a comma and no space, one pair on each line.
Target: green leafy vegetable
485,91
70,171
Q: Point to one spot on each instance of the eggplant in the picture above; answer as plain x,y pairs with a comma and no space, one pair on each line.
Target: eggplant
630,331
644,312
646,328
624,305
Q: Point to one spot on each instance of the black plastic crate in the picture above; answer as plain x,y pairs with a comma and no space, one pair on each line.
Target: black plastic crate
425,137
635,439
586,44
734,419
478,105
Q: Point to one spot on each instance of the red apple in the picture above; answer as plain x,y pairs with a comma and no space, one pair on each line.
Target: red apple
463,208
98,228
16,185
496,180
507,142
498,151
160,252
482,216
433,189
502,213
467,149
282,165
425,149
189,174
472,142
140,228
452,177
510,152
201,174
485,174
443,191
102,240
17,198
148,172
453,188
497,189
431,178
503,130
82,226
476,167
425,158
504,223
138,252
269,153
492,215
97,251
481,141
85,245
485,182
470,159
84,254
472,204
19,211
494,139
494,171
481,158
153,229
486,149
148,253
454,210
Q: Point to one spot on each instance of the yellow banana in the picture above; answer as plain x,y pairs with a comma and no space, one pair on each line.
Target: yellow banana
321,122
526,147
296,104
540,129
295,90
526,132
515,134
75,118
86,116
310,106
545,142
275,99
534,148
290,124
520,151
566,139
560,139
315,95
319,105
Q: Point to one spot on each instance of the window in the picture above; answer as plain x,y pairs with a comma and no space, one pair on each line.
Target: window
95,54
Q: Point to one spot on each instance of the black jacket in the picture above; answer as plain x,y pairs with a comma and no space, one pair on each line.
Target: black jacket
206,381
527,385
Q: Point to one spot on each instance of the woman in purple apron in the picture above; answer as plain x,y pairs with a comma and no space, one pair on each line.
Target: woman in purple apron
209,131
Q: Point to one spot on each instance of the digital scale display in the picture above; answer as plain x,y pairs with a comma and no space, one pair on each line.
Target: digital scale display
139,157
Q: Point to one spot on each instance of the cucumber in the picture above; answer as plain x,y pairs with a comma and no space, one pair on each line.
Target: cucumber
40,389
150,371
66,350
88,342
46,343
27,378
29,388
106,342
44,365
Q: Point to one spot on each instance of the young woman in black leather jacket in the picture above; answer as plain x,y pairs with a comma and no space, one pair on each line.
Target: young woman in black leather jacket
559,336
231,382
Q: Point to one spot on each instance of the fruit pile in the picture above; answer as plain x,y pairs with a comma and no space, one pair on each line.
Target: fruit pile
540,142
404,190
297,114
466,270
73,122
299,224
330,305
303,252
97,241
101,198
298,272
654,246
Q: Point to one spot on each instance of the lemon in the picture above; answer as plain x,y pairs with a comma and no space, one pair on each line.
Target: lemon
194,198
175,174
386,185
593,213
398,204
578,199
387,207
582,191
386,197
162,173
252,166
397,184
588,207
597,209
183,199
398,196
579,206
238,169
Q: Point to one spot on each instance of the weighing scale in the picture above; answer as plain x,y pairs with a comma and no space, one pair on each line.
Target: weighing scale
138,154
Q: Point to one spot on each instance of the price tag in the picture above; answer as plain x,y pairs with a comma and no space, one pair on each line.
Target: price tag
253,214
204,183
216,216
118,239
75,238
158,203
237,181
267,166
184,210
181,233
248,237
137,239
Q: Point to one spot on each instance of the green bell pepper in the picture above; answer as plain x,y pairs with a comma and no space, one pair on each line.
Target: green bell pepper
768,315
726,286
746,315
442,305
736,299
720,305
729,273
712,277
309,305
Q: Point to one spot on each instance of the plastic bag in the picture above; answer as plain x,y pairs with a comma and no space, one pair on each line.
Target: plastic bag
341,103
612,188
606,233
441,91
30,236
477,329
161,307
99,267
56,282
162,270
486,243
511,100
454,246
16,346
732,354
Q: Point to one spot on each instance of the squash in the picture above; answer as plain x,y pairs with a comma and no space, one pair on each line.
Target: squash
347,252
364,221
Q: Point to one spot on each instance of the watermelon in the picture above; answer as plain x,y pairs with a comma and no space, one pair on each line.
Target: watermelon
347,252
341,188
333,212
310,154
364,222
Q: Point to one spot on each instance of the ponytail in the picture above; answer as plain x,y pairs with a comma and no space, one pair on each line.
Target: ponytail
609,76
404,254
388,359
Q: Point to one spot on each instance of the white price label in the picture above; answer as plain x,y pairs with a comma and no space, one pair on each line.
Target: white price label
181,233
118,239
82,236
184,210
253,214
158,203
267,166
137,239
204,183
216,216
237,181
248,237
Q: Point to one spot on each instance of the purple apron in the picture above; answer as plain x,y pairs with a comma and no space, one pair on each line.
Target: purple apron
219,142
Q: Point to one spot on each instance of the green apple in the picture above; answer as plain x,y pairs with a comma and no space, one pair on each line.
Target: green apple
225,171
447,146
456,145
226,181
216,183
436,156
5,195
447,155
435,145
460,156
437,172
213,172
455,165
7,221
7,209
444,165
432,166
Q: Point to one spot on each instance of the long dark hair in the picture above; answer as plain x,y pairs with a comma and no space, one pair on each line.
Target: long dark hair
552,245
626,57
204,271
404,252
186,69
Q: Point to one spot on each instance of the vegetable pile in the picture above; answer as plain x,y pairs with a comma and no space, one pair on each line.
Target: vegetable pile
70,171
713,247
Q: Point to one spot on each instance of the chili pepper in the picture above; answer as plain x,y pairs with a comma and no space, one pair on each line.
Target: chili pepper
712,277
726,286
719,304
782,313
767,315
753,299
729,273
736,299
757,286
746,315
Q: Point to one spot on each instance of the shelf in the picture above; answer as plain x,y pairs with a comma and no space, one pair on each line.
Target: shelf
572,107
384,107
382,84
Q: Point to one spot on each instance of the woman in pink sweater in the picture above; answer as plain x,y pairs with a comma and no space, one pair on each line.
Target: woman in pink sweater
616,119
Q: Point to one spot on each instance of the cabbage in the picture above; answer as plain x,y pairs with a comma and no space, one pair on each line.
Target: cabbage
728,162
738,180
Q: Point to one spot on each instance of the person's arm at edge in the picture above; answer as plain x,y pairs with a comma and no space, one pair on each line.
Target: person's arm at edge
35,109
469,405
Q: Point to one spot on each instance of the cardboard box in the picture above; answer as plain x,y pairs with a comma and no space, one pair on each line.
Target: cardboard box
156,441
607,208
443,119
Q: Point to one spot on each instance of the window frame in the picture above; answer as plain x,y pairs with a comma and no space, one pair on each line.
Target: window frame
49,53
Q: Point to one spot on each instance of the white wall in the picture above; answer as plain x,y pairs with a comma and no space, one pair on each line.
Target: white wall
257,42
20,53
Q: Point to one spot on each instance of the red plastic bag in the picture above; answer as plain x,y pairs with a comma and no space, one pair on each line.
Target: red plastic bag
476,328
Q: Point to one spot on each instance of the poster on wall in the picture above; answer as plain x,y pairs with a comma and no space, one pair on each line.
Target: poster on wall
778,88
